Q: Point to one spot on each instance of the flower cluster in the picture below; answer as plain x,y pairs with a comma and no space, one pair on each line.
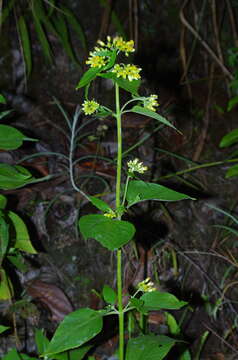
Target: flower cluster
151,102
136,165
110,214
100,55
117,44
146,285
95,60
90,107
129,71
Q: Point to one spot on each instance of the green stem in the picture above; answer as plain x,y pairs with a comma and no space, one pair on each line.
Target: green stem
118,203
197,167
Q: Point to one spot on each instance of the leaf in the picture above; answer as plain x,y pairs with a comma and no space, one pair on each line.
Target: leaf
149,347
75,354
110,233
229,139
232,171
12,355
143,111
232,103
22,238
41,341
73,21
18,261
157,300
138,304
100,204
6,288
11,138
185,355
4,238
130,86
3,328
2,99
5,113
3,202
139,190
173,326
88,76
228,228
63,34
26,43
109,295
76,329
12,177
43,39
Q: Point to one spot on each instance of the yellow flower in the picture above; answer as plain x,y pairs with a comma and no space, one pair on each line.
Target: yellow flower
122,45
151,102
146,285
90,107
96,60
130,72
135,165
110,214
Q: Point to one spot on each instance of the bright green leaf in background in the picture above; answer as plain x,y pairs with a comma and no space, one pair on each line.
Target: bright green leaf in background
4,238
11,138
149,347
229,139
75,330
232,171
110,233
3,202
3,328
13,177
22,238
6,289
109,295
2,99
156,300
25,43
139,191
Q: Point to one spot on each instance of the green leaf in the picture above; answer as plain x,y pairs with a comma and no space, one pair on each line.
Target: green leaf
173,326
3,328
6,288
12,177
41,341
228,228
232,103
3,202
42,38
130,86
232,171
4,238
100,204
185,355
88,76
157,300
63,34
2,99
11,138
26,43
76,329
18,261
12,355
73,21
4,113
138,304
22,238
110,233
229,139
143,111
109,295
149,347
75,354
139,190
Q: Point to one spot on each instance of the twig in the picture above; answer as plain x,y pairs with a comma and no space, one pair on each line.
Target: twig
220,338
203,42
